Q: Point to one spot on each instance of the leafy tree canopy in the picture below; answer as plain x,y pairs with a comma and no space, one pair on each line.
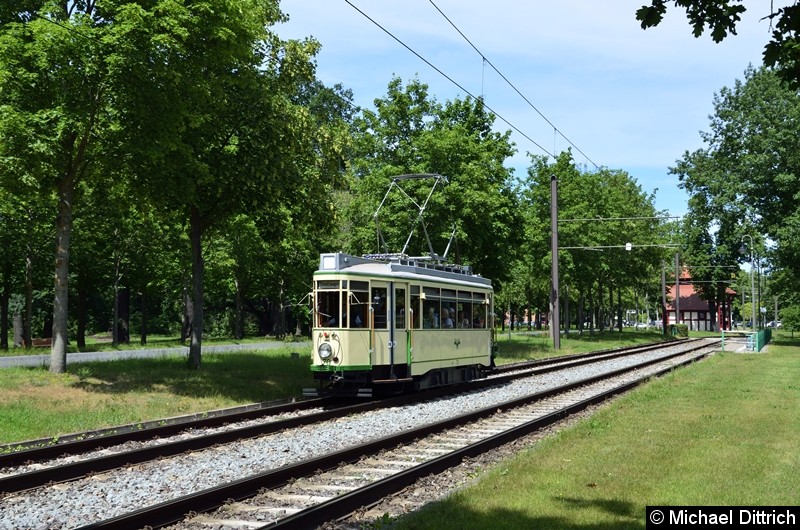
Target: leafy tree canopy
410,132
746,181
722,16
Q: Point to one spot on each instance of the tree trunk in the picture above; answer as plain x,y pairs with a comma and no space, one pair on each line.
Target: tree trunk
188,311
601,317
115,314
530,315
124,316
196,232
238,332
58,352
4,297
143,330
27,333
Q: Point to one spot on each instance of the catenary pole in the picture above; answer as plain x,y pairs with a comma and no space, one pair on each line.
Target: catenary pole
555,321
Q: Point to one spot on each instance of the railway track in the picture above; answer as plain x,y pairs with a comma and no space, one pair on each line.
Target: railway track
285,415
166,513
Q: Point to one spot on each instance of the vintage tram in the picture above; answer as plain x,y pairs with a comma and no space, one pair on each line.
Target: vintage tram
389,323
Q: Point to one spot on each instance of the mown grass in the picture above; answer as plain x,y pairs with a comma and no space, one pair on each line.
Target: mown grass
722,432
523,345
103,343
35,403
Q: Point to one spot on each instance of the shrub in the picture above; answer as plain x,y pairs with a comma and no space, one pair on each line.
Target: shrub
679,330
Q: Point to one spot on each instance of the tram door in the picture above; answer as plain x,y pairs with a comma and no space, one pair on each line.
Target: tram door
389,309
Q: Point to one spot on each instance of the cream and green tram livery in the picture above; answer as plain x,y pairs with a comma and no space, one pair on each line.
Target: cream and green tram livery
384,324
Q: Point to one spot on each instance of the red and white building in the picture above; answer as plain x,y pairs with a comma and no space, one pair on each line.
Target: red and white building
694,310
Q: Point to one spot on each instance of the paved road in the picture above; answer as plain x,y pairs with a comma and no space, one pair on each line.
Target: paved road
82,357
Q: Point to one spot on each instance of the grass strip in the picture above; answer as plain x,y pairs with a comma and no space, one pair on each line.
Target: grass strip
722,432
35,403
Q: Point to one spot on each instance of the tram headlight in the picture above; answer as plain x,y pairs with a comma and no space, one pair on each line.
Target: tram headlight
324,351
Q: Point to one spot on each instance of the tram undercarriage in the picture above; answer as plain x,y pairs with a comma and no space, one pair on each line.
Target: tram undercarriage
385,380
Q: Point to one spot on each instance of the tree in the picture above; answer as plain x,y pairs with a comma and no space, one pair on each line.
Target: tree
53,99
599,212
790,318
211,87
746,180
722,16
12,241
409,132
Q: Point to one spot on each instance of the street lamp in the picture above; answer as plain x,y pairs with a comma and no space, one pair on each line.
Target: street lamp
752,280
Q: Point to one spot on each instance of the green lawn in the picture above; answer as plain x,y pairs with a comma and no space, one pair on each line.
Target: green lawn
523,345
35,403
722,432
103,343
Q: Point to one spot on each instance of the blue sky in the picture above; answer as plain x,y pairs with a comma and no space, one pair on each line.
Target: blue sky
629,99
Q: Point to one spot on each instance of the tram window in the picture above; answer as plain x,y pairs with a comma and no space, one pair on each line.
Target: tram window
358,304
430,308
416,311
379,307
479,316
432,292
430,311
464,315
328,308
449,314
416,308
400,308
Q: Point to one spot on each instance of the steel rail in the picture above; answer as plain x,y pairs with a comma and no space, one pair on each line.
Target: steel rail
347,503
76,470
172,511
567,361
15,454
44,449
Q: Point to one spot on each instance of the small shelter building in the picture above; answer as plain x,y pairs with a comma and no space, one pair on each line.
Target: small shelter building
694,310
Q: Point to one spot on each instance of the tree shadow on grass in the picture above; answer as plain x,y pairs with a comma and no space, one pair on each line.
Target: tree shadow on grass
622,510
454,513
239,376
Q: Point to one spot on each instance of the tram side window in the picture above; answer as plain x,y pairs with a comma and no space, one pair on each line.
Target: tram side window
379,307
328,308
400,308
449,311
479,316
479,309
358,304
416,309
430,308
464,315
448,314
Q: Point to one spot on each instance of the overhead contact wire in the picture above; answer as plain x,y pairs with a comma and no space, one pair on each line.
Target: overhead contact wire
487,61
423,59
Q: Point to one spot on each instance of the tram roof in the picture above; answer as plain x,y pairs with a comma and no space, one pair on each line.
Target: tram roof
394,264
